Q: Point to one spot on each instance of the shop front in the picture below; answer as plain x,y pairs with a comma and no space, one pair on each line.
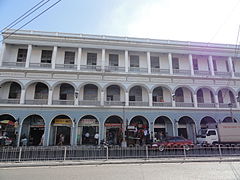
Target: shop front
61,130
138,132
8,126
113,128
88,131
33,130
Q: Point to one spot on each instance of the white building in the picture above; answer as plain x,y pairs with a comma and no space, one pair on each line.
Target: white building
81,85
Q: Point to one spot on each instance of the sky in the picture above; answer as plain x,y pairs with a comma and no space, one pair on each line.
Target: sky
212,21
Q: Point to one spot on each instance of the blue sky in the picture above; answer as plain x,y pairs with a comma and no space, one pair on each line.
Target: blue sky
189,20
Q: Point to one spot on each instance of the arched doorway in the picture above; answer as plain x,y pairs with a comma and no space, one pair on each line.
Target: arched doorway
187,128
207,122
88,131
33,130
7,130
138,131
162,128
229,120
60,130
113,129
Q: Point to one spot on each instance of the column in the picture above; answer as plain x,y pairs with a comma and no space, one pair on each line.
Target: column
79,57
237,104
72,134
54,57
47,134
191,64
102,98
151,130
103,59
211,65
29,52
50,96
150,99
216,100
149,62
22,96
173,100
19,134
75,134
230,64
170,63
126,99
195,100
76,98
175,128
2,53
126,61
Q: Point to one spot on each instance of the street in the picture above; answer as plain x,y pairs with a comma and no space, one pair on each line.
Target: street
151,171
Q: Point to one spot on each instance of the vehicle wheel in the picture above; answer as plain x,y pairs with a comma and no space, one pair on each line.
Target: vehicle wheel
161,148
187,148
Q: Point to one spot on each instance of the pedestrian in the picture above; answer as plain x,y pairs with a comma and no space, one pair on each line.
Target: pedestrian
96,137
41,141
61,140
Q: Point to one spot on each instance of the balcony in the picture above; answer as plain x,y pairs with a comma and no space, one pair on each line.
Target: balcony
13,64
40,65
138,103
202,73
63,102
89,102
113,103
114,69
181,72
66,66
237,74
206,105
138,69
9,101
90,68
162,104
226,105
184,104
222,74
37,101
160,71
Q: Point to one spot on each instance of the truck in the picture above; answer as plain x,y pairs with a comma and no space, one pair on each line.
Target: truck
221,133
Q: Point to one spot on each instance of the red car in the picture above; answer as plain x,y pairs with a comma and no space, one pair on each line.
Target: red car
173,142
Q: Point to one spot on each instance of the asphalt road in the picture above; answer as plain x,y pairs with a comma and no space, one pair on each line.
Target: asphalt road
151,171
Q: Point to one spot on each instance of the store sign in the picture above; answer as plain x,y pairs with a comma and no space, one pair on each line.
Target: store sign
62,122
131,127
113,124
85,122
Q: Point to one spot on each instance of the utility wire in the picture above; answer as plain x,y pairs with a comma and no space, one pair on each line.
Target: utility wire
25,15
31,20
236,47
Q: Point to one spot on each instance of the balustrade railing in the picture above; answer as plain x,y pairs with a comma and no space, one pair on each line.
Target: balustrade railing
37,101
202,73
138,103
113,103
162,104
222,74
181,72
63,102
114,69
138,69
9,101
40,65
160,71
227,105
90,68
184,104
66,66
89,102
207,105
13,64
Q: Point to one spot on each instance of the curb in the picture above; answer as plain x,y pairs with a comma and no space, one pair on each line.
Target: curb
109,162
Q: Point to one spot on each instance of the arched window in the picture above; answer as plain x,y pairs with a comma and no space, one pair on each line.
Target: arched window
212,97
220,97
66,92
179,95
90,92
41,91
15,91
232,98
158,94
113,93
135,94
200,98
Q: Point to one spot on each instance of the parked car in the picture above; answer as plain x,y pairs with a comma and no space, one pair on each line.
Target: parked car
173,142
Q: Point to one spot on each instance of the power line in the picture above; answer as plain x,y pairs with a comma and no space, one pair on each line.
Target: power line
31,20
25,15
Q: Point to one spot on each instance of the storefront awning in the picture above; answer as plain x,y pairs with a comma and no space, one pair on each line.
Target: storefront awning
7,122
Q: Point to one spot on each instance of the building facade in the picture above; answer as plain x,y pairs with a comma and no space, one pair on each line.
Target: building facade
86,88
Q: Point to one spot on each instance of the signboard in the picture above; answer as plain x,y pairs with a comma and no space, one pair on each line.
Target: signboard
113,125
88,122
131,127
61,122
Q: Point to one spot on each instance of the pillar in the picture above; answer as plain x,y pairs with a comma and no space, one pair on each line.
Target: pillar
216,100
126,61
149,62
210,60
76,94
22,96
191,64
47,134
29,53
19,134
72,134
151,130
75,134
103,59
150,100
195,100
230,64
54,57
102,98
79,57
2,53
126,99
170,63
50,95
